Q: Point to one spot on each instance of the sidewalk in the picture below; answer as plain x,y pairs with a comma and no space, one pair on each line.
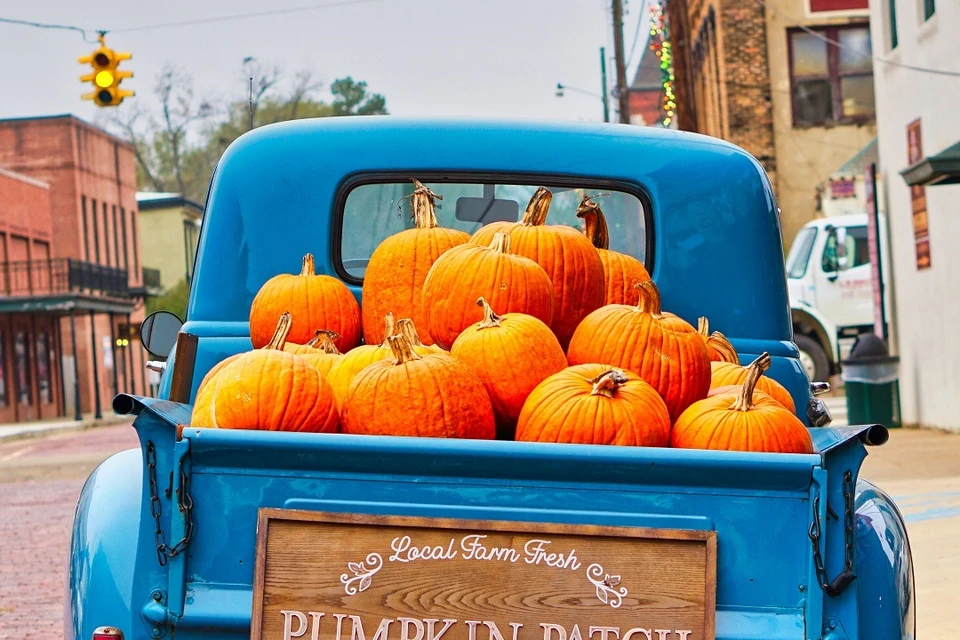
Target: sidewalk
19,430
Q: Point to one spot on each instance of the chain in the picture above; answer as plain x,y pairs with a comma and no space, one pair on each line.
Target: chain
845,577
185,504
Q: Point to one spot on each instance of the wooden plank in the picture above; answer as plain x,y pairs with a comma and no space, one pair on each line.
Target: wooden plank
185,360
337,576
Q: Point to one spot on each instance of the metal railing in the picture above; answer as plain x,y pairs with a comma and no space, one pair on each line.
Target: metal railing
61,275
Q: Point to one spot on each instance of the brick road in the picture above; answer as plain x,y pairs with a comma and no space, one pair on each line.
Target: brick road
40,480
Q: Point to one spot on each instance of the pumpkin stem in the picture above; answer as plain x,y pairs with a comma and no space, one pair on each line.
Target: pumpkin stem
723,347
744,401
649,298
607,383
703,326
537,208
308,267
324,341
595,224
280,333
501,242
406,327
402,349
424,206
389,327
490,319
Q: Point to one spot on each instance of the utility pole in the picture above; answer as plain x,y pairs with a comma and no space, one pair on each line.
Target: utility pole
623,95
604,89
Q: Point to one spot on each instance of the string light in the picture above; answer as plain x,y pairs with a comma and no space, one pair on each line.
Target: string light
660,45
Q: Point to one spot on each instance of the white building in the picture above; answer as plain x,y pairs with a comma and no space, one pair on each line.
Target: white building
922,182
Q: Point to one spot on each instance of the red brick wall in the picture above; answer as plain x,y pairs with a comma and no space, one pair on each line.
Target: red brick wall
646,103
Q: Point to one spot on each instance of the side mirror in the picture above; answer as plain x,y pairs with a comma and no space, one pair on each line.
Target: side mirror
158,333
843,260
829,260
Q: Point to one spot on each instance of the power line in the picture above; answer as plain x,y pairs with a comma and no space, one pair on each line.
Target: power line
46,25
636,34
840,45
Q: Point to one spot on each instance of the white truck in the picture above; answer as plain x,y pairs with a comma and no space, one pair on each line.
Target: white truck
830,283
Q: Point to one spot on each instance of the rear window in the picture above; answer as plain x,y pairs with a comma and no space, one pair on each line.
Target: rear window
800,252
374,211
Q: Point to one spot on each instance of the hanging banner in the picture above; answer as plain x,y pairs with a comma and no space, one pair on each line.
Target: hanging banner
918,199
873,245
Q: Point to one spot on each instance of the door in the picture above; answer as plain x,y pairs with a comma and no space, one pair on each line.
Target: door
844,281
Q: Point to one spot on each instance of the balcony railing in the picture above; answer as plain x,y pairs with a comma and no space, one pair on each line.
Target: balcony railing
62,275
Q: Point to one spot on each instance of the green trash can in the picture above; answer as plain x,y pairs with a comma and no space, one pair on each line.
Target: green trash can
871,377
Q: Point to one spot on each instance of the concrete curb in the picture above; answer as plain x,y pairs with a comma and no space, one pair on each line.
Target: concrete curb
26,430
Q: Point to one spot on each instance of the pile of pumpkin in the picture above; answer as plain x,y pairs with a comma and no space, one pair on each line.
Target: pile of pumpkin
531,331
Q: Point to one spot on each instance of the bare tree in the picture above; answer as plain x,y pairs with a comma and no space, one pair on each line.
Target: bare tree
175,90
129,121
260,79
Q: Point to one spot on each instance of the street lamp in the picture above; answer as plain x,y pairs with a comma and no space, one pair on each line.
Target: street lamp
603,80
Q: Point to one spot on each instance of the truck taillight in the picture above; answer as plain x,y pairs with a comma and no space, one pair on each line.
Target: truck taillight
107,633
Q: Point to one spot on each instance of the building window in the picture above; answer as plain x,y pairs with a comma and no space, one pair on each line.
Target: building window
86,232
106,236
892,23
929,8
96,232
43,368
831,75
123,226
21,356
3,371
136,252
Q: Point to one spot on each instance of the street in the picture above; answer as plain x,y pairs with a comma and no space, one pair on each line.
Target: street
41,478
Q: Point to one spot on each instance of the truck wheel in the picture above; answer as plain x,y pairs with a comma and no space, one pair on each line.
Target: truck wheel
813,358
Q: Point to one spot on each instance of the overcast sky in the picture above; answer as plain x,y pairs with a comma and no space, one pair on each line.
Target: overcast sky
427,57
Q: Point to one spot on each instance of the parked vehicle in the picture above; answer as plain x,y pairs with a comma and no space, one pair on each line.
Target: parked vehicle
203,533
830,283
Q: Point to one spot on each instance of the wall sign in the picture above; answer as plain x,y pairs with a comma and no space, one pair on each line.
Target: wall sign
873,245
918,199
324,576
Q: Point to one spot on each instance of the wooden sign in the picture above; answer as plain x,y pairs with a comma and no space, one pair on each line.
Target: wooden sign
918,199
325,576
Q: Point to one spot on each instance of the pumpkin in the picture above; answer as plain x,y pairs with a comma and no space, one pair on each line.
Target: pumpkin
314,301
272,390
398,267
433,395
511,283
742,419
407,328
351,363
595,404
726,374
571,262
621,272
718,347
511,354
324,353
309,347
203,402
660,347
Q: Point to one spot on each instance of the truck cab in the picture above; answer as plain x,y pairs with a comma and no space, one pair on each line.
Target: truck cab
830,283
234,534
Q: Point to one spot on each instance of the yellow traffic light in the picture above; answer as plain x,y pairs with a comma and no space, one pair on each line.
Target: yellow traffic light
105,76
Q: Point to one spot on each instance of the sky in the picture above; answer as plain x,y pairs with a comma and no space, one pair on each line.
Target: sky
493,58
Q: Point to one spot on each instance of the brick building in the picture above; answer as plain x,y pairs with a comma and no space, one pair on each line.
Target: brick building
646,91
790,81
72,277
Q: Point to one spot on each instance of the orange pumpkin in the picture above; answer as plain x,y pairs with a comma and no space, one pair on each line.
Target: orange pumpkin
511,354
595,404
271,390
510,282
351,363
718,347
742,420
660,347
398,267
408,329
725,374
571,262
314,301
621,272
433,395
324,353
203,402
309,347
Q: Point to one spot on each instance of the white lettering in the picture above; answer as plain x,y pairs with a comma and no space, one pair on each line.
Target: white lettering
575,634
662,633
630,633
405,629
339,617
404,551
447,623
473,549
605,632
495,631
315,634
472,628
537,554
683,634
547,628
288,631
381,633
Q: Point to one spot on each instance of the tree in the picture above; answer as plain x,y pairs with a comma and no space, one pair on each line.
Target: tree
177,148
173,300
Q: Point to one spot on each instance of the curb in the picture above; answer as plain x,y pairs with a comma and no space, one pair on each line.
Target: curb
24,432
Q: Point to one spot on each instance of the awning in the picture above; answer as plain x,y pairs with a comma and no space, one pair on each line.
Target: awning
65,304
942,168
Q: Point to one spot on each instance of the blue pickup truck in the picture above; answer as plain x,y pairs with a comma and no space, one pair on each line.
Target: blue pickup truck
206,533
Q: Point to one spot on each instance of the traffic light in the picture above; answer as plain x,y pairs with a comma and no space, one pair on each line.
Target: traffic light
105,76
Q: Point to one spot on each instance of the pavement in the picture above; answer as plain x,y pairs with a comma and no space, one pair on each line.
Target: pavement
41,428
